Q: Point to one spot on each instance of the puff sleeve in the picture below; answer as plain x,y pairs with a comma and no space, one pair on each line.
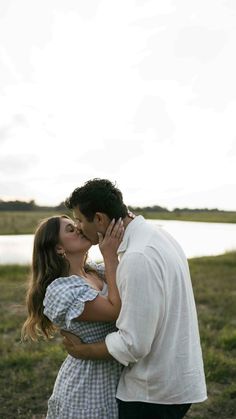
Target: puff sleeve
65,299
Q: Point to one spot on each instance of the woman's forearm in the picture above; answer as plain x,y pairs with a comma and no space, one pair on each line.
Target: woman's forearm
110,272
109,245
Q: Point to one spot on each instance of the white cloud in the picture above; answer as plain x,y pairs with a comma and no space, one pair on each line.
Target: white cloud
199,42
152,115
141,92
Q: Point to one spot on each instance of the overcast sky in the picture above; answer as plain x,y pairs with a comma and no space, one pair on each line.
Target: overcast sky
141,92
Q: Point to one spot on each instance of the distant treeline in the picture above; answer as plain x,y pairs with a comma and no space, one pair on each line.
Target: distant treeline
156,208
27,206
32,206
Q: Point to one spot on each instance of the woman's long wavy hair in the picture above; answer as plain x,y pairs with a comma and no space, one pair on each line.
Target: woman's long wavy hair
47,265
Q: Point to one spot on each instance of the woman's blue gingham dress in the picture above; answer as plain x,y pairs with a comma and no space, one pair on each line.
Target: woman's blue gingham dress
83,389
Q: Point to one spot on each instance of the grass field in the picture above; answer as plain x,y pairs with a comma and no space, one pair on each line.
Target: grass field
28,371
21,222
204,216
25,222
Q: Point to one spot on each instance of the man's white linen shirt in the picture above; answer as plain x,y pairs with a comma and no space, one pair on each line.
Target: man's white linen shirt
157,339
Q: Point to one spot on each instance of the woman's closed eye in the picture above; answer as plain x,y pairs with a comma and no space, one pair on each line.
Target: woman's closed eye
70,228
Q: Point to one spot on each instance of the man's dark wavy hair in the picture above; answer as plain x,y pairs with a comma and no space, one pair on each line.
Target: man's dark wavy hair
98,195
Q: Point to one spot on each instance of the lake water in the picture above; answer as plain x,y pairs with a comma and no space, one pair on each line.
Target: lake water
196,239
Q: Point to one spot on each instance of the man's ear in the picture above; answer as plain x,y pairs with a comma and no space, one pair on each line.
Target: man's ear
101,219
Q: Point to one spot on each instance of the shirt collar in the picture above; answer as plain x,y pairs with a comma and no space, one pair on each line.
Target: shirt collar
139,219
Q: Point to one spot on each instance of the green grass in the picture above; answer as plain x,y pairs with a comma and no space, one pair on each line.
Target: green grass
28,371
204,216
214,284
21,222
25,222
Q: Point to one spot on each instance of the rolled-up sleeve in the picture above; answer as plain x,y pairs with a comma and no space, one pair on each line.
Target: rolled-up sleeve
117,347
141,289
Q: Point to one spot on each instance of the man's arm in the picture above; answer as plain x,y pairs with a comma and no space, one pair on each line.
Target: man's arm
142,309
76,348
143,304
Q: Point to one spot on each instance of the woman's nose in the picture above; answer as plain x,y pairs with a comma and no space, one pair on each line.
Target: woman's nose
78,230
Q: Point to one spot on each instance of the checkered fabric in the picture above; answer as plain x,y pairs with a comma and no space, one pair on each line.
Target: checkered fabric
83,389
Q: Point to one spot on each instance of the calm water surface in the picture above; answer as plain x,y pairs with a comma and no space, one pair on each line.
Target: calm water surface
196,239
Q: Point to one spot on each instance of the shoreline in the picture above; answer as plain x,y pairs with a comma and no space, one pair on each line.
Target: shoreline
25,222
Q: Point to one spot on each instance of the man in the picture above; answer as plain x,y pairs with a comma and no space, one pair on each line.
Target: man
157,339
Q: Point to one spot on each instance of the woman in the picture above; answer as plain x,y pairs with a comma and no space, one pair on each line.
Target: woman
68,294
